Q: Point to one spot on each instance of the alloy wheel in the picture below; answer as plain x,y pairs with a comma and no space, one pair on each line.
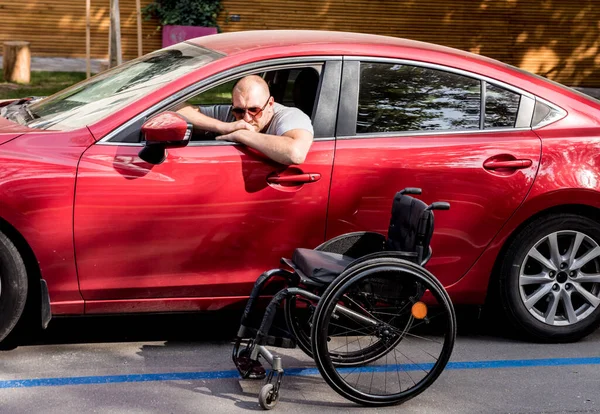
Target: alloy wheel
559,279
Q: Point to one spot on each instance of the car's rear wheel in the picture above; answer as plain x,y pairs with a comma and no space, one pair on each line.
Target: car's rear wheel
550,278
13,286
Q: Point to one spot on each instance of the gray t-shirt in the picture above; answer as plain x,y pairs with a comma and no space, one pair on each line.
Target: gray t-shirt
284,118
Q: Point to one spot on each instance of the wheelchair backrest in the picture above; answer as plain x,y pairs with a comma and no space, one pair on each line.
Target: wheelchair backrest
411,227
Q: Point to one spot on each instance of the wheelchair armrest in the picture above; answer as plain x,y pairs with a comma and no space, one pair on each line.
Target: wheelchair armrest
355,245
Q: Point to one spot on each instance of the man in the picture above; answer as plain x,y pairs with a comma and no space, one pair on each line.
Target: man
281,133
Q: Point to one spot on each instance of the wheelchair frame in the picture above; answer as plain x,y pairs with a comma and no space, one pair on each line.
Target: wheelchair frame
251,344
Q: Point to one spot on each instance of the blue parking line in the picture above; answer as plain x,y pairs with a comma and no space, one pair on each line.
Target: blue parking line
302,372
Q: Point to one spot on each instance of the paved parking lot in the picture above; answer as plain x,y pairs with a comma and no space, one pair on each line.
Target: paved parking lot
182,364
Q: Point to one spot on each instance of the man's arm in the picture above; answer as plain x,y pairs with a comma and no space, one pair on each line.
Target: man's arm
206,123
289,148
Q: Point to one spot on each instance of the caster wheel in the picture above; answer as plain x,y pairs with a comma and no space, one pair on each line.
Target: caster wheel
267,398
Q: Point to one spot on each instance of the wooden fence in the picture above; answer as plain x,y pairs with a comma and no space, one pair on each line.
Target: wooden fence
557,39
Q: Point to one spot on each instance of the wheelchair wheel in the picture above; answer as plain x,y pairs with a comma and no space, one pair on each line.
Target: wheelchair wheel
298,317
299,313
396,318
268,398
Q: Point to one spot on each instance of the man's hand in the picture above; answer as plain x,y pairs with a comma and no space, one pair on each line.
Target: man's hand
202,122
227,128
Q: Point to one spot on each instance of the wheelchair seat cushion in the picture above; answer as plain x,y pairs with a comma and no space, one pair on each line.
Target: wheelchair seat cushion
320,266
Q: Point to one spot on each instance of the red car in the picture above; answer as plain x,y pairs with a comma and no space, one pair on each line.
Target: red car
113,219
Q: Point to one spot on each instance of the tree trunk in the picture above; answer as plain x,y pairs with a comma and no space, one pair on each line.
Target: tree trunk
139,27
88,64
16,63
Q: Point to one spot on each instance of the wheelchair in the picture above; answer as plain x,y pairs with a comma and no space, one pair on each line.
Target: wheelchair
379,326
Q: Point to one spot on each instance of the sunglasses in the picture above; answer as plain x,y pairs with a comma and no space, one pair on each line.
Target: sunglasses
252,111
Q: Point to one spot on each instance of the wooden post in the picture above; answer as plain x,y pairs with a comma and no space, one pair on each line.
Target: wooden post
139,27
115,58
16,63
87,39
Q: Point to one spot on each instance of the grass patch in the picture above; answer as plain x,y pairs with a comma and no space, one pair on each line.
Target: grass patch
42,84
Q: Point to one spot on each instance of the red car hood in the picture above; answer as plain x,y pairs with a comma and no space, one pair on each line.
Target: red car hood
10,130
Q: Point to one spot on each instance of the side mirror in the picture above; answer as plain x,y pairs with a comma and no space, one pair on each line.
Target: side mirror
166,130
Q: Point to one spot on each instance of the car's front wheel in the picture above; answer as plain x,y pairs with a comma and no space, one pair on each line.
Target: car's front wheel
550,278
13,286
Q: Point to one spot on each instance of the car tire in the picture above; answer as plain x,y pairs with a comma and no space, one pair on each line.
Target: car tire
13,286
549,292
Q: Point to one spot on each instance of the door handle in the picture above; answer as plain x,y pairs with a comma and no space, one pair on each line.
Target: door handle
294,178
512,164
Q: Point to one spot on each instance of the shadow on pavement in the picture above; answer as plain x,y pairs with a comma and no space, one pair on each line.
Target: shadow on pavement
198,327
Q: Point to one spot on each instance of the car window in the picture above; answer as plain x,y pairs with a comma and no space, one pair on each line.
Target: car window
398,98
295,87
501,107
219,95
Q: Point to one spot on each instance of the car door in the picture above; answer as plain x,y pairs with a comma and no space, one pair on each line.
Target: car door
208,220
404,124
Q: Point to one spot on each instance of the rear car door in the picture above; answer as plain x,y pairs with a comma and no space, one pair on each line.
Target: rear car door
208,220
460,137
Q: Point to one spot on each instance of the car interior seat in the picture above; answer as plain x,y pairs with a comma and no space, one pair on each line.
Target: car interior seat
305,90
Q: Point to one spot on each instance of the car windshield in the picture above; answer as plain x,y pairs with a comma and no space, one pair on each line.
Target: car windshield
108,92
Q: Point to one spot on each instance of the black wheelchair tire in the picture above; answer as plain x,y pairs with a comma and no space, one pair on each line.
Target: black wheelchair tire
319,339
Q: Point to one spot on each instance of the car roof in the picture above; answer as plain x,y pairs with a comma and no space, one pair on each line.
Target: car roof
233,43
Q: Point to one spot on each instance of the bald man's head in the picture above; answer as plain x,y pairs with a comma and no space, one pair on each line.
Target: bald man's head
252,92
252,84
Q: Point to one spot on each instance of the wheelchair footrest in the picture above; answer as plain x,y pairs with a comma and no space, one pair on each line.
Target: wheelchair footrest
248,368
